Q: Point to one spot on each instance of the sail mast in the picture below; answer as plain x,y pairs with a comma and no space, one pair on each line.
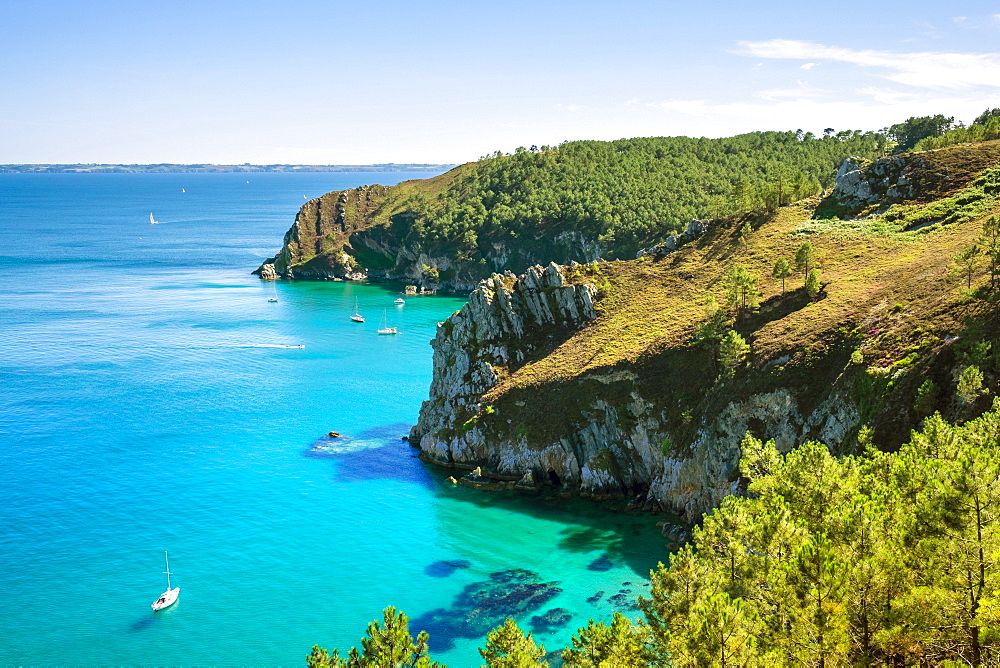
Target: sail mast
166,558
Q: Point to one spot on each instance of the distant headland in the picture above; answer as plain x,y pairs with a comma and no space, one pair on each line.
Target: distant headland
165,168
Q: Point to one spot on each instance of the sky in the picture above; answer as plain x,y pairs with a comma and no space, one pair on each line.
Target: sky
429,81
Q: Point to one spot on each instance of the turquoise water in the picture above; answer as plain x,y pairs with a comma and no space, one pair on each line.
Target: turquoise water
151,399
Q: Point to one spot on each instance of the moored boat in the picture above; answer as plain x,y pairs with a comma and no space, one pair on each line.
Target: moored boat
169,597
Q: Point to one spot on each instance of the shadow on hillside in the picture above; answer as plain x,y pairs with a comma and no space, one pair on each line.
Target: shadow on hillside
776,308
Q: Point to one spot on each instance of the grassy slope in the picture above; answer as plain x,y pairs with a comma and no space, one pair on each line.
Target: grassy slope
365,208
887,295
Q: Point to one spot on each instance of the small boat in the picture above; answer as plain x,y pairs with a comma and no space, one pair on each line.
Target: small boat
385,329
152,221
274,298
169,597
357,317
399,300
183,191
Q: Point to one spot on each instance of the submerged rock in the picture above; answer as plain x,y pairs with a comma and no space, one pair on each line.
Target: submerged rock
482,606
445,567
555,618
602,563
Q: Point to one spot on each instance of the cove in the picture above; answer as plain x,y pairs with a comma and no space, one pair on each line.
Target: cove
151,398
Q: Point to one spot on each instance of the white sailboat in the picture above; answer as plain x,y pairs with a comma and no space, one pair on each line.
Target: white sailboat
168,597
152,221
275,297
385,329
357,317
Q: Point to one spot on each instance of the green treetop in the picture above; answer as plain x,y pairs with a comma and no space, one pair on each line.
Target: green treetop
781,271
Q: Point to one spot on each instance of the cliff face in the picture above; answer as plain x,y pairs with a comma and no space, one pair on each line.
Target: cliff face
368,232
505,321
615,448
867,185
595,379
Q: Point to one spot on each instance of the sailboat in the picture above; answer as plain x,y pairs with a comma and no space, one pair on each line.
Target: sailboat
385,329
275,297
152,221
357,317
168,597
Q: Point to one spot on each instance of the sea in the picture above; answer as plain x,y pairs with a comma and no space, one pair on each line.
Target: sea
153,399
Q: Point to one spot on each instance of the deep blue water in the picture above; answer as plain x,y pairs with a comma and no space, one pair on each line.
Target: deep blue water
151,399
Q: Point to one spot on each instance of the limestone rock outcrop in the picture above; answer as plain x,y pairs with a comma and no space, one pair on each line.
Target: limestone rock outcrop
694,229
493,332
861,183
613,449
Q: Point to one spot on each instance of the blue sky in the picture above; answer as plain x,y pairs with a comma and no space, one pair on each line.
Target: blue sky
303,81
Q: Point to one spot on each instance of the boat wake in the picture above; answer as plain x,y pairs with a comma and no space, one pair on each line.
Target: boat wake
264,345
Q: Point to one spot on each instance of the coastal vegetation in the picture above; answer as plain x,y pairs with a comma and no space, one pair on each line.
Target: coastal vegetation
874,558
868,538
626,193
581,200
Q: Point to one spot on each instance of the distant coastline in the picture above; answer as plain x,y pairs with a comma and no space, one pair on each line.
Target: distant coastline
167,168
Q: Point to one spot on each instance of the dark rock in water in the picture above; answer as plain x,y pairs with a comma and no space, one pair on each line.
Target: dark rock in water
514,575
596,597
624,601
602,563
626,583
553,619
333,434
483,606
444,568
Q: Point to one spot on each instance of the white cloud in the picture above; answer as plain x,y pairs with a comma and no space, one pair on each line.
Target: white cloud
869,109
807,66
924,69
802,91
691,107
888,95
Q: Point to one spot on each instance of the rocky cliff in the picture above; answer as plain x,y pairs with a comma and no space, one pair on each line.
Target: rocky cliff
866,185
369,233
597,380
614,446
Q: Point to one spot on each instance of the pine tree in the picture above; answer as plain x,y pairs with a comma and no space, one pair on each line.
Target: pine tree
741,289
805,257
970,384
508,646
813,283
386,645
621,644
781,271
968,261
733,349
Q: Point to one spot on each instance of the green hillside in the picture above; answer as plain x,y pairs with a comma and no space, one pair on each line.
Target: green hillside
880,549
578,201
